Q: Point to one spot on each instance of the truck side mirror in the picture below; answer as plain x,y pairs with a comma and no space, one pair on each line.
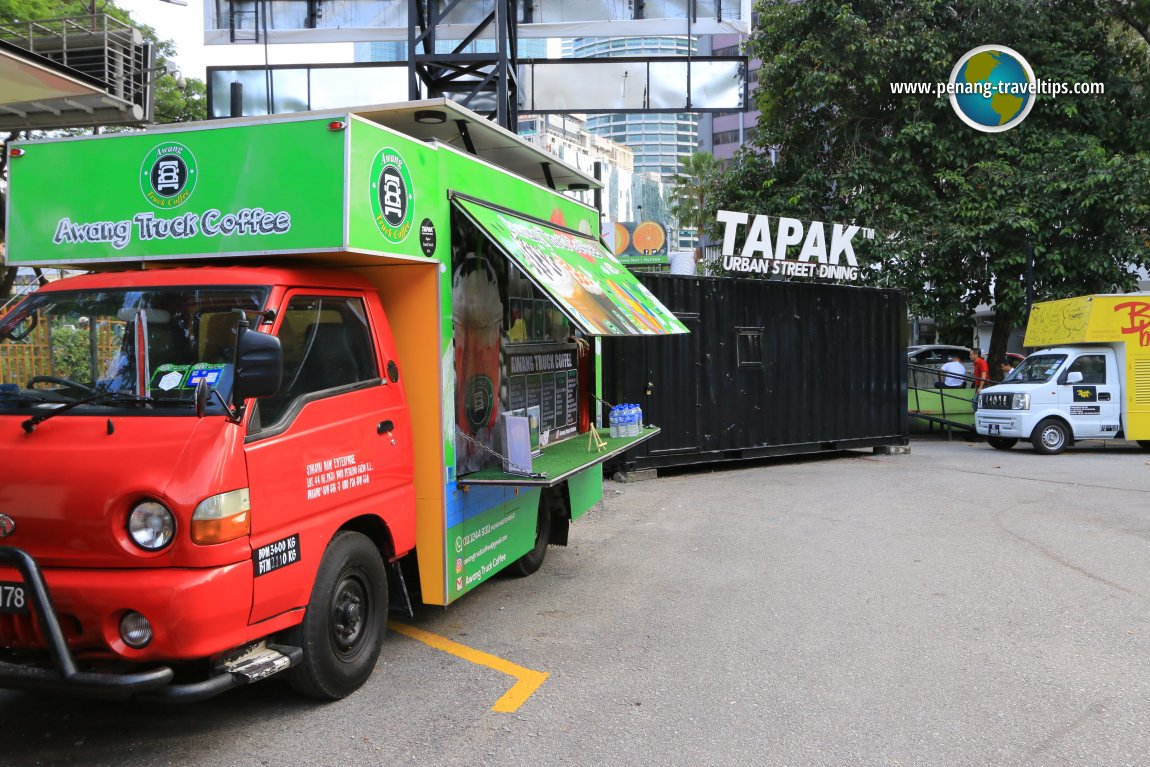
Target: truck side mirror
1074,377
259,365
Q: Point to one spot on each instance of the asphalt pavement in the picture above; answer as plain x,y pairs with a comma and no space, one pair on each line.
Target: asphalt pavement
957,605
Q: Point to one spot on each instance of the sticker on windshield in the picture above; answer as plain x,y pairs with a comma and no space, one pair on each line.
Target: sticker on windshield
209,373
170,377
170,381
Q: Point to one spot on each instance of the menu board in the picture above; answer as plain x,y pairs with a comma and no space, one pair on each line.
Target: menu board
547,377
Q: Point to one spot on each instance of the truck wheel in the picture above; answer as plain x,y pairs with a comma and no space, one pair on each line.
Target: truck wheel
345,621
532,560
1050,437
1001,443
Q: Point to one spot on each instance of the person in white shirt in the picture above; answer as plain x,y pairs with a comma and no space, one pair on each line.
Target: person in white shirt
953,372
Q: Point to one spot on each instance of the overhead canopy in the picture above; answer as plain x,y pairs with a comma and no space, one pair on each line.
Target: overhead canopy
36,92
463,129
583,278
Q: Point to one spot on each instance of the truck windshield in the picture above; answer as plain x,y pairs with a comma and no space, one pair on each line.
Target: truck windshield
1038,368
141,349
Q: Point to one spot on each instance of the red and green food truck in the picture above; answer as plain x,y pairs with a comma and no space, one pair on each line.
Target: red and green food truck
311,361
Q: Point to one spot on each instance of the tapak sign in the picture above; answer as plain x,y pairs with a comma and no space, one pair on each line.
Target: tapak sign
792,248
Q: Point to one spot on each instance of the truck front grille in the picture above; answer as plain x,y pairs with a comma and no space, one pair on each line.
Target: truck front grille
996,401
22,632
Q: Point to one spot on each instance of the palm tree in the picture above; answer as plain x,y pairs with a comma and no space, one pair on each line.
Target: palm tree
689,189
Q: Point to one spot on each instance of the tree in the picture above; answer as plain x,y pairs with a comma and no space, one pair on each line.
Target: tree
689,190
173,102
958,208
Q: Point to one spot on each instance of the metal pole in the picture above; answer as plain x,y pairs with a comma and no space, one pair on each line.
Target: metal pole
237,96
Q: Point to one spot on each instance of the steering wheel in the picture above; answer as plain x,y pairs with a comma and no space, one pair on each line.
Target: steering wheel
68,382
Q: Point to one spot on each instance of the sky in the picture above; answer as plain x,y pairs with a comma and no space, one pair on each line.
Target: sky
184,25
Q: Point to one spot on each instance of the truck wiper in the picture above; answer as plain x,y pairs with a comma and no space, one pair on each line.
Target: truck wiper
30,424
23,394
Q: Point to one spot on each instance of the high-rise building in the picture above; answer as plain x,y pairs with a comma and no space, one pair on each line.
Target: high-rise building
723,133
659,140
566,137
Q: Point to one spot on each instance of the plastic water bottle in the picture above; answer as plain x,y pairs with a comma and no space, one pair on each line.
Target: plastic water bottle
639,418
632,421
613,417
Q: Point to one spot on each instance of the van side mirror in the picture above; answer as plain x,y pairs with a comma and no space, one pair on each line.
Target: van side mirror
1074,377
259,365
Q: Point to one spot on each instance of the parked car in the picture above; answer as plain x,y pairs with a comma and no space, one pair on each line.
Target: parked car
933,356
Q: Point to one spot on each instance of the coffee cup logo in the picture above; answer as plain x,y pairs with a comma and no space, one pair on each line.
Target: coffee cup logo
168,175
392,196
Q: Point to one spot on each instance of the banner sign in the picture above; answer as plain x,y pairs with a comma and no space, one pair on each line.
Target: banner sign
640,242
790,248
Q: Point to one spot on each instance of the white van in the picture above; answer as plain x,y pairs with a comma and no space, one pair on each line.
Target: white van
1094,384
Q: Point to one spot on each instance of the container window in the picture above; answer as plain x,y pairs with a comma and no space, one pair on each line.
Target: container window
750,347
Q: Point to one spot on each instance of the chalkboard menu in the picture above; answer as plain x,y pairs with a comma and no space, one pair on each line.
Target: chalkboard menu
545,376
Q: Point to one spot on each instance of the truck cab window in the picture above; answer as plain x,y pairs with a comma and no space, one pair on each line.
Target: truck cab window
1091,366
326,345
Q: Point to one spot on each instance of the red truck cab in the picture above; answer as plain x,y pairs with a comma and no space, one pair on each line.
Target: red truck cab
187,530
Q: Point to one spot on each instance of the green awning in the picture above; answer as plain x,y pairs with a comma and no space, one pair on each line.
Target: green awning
585,280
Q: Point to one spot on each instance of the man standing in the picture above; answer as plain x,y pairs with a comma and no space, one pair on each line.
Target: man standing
981,369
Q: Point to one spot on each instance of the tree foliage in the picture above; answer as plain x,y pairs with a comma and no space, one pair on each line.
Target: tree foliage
956,208
689,190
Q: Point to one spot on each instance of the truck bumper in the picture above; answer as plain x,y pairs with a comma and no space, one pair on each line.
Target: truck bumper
990,423
149,678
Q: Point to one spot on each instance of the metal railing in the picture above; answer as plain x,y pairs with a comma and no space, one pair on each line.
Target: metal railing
934,404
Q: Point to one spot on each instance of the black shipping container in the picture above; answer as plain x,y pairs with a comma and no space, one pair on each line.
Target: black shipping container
769,368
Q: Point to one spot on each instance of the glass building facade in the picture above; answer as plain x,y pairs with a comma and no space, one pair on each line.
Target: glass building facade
658,140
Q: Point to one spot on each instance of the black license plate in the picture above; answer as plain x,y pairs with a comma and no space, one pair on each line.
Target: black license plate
13,598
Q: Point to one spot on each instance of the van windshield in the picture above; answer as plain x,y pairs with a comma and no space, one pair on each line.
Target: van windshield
140,349
1038,368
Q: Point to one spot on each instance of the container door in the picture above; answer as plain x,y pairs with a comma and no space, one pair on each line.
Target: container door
1091,405
673,388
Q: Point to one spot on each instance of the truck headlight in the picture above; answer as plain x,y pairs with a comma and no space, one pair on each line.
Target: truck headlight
151,525
1020,402
222,517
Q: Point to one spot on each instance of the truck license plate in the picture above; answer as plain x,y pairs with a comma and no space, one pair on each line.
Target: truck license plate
992,428
13,598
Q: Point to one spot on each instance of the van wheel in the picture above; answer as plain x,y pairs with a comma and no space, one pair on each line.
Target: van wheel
533,560
1050,437
345,621
1001,443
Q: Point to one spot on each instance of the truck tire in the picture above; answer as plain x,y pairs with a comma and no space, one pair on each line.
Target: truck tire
1001,443
1050,437
533,560
346,618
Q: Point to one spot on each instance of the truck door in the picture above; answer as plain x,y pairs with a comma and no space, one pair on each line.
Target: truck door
1092,404
333,444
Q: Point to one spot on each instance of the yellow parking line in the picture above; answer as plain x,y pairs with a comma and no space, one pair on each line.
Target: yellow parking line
527,681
